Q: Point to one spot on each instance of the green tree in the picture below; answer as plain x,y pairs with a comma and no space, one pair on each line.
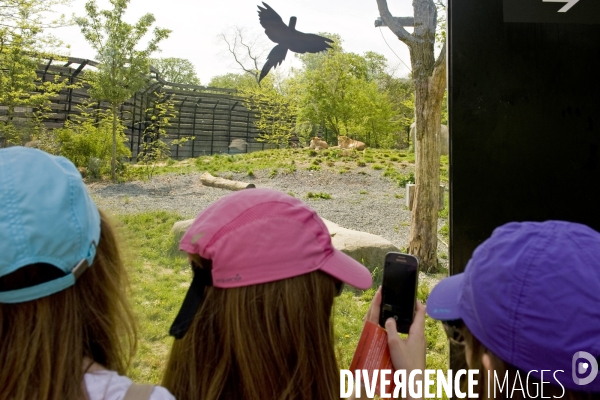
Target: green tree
233,81
176,70
123,68
23,46
312,61
339,90
274,110
154,148
401,93
86,140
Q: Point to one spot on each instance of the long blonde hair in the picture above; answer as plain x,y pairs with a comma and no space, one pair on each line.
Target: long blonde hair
267,341
43,342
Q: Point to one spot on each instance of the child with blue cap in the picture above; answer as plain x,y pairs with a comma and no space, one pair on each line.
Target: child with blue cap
527,311
66,326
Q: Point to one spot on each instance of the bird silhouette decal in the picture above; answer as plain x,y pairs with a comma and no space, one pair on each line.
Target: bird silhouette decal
287,38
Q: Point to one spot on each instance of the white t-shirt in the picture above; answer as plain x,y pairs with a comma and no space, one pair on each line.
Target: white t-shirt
108,385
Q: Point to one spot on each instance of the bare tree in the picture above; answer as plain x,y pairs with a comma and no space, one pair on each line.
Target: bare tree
429,76
247,49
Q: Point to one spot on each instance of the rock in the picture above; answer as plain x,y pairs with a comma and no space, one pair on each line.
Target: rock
362,246
444,139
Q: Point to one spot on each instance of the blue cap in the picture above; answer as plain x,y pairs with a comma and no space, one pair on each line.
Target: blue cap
531,295
46,216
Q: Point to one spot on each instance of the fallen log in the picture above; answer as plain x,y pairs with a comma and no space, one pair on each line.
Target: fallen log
208,180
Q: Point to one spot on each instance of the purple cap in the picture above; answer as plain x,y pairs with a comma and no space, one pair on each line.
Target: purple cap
531,294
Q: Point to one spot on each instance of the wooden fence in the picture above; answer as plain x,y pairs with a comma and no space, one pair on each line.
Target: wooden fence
216,118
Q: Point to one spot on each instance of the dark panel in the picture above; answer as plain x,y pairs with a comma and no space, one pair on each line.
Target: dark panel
524,104
553,11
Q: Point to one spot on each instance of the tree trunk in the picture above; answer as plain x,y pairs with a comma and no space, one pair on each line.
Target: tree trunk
113,159
423,231
429,77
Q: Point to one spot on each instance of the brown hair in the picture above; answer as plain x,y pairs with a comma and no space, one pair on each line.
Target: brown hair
43,342
266,341
500,368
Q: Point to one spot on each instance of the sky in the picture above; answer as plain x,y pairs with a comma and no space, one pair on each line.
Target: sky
196,24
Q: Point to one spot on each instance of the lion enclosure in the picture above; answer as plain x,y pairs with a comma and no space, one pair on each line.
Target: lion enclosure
216,118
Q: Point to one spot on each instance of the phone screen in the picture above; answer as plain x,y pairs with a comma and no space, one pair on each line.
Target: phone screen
399,289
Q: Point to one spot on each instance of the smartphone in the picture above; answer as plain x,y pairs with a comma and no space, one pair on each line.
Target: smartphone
399,290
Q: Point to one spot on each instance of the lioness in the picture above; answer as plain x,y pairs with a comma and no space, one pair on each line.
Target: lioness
346,143
318,144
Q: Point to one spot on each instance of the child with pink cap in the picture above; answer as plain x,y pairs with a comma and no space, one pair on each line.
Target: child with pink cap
256,322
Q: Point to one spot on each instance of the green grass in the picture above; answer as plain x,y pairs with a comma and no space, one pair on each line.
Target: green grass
319,195
400,177
445,232
444,167
443,213
284,160
159,278
160,275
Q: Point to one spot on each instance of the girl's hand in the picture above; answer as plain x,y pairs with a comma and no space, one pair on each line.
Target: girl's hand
409,353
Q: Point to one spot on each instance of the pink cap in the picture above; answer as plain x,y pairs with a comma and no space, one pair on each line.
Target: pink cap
261,235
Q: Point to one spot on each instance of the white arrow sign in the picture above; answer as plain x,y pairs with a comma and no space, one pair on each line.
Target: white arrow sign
567,7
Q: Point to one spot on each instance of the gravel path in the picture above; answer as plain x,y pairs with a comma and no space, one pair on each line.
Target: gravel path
377,211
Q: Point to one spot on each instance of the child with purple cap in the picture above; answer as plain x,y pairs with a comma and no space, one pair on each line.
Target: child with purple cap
256,322
527,309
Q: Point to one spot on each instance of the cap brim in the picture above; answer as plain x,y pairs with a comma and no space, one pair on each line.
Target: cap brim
443,302
347,270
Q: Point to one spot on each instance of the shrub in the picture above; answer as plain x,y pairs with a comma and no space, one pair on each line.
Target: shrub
290,169
403,180
89,145
445,232
320,195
